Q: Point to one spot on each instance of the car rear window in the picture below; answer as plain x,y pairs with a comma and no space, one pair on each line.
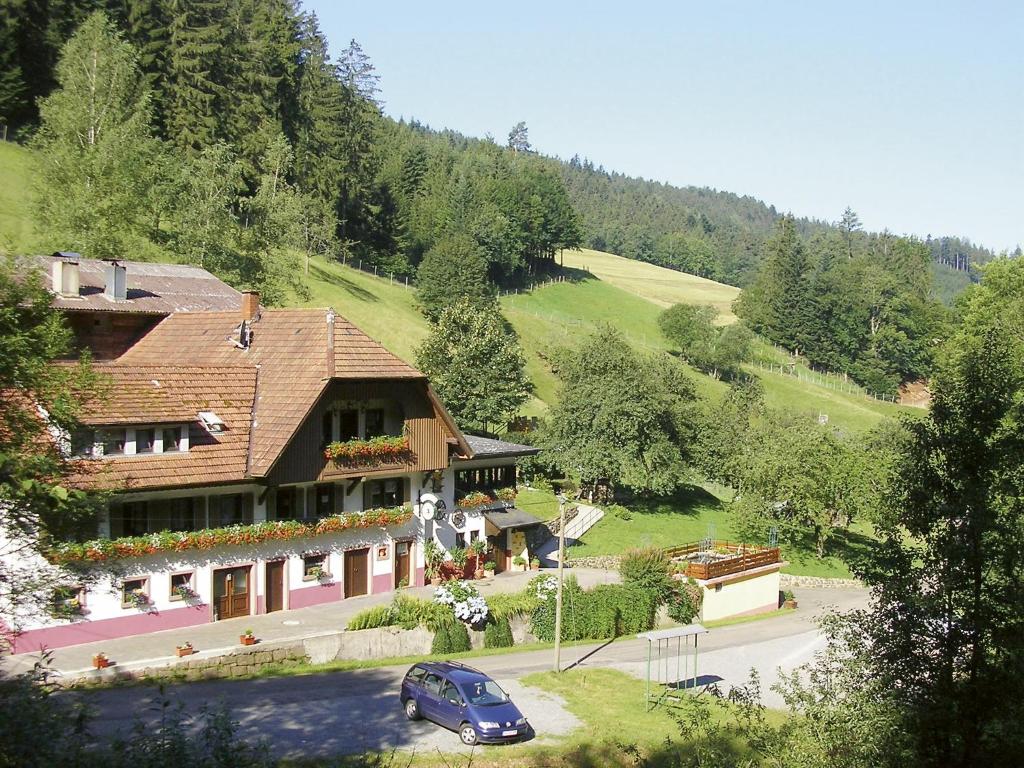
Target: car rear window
432,683
417,674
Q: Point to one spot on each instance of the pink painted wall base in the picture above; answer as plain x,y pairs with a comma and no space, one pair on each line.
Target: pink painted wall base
321,593
107,629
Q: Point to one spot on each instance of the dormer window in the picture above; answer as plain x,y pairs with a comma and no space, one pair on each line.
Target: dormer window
129,441
171,439
113,442
145,440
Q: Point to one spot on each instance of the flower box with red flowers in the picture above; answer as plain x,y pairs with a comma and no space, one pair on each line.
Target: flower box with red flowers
376,450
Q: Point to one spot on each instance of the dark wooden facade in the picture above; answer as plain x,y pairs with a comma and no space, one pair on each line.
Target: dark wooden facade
108,335
303,460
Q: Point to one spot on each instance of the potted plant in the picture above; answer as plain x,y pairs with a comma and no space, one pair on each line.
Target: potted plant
185,649
519,562
535,564
479,549
459,556
100,660
788,599
433,557
489,568
248,638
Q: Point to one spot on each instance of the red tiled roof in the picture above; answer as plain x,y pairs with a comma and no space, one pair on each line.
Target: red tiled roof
289,349
219,457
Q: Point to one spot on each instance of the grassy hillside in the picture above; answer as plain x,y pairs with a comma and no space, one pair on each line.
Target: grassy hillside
558,316
16,232
664,287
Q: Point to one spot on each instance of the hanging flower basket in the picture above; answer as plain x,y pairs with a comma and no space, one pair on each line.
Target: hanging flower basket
474,499
376,450
102,550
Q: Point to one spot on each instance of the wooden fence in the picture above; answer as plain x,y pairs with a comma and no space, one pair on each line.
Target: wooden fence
741,557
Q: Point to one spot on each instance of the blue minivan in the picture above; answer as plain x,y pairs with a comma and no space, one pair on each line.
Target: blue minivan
464,700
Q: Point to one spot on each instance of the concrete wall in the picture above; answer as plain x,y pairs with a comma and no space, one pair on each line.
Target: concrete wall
740,595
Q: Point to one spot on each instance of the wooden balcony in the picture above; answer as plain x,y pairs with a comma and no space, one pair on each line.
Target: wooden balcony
722,558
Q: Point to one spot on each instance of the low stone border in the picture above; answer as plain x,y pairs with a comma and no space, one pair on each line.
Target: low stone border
790,580
603,562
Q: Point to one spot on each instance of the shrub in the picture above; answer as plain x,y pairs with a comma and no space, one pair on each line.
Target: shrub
685,604
648,569
508,605
498,633
411,612
371,618
619,511
542,621
450,637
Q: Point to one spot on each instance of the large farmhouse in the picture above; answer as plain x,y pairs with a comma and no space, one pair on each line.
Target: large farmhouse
256,459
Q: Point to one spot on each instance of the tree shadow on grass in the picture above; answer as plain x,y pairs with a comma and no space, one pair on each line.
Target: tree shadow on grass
689,500
359,292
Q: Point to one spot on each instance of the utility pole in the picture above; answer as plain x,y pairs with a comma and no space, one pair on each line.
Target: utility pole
558,593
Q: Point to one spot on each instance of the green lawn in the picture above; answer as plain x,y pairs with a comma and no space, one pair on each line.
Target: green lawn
697,512
664,287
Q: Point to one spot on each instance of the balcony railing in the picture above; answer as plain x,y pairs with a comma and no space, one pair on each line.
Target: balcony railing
712,560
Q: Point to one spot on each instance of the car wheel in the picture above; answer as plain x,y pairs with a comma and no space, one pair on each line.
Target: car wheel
412,710
468,735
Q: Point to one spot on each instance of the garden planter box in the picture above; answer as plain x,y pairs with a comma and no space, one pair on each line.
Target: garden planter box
789,604
247,639
99,661
186,650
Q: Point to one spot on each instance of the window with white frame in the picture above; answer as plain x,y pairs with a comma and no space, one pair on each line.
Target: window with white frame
314,566
183,585
135,593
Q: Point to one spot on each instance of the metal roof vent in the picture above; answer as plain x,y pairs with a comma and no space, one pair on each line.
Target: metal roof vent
211,421
64,274
116,288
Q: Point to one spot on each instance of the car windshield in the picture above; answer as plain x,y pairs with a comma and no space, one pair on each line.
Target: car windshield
485,693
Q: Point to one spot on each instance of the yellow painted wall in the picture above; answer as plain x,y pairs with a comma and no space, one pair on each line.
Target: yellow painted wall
748,595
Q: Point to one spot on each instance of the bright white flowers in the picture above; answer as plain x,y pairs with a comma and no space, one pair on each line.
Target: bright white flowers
545,586
464,599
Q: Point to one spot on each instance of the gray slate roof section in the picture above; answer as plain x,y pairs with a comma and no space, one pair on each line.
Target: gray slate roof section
511,517
487,448
154,289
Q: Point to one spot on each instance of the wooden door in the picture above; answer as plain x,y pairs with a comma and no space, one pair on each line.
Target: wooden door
357,572
275,586
231,592
403,562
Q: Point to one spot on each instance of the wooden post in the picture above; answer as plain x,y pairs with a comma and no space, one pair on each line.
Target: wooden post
558,593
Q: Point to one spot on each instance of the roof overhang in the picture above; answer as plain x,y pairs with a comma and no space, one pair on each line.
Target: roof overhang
510,517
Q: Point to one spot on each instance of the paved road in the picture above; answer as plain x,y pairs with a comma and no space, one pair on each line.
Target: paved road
347,712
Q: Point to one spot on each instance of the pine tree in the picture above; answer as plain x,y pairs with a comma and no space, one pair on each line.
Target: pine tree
198,38
519,138
848,225
148,28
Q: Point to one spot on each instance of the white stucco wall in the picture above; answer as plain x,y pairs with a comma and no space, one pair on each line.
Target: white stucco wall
751,594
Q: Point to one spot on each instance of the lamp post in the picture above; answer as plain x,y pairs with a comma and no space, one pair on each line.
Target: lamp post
558,592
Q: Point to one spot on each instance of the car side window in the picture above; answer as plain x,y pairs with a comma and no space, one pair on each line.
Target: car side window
416,674
451,693
432,682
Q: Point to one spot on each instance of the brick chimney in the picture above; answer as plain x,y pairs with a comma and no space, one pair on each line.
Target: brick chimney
330,343
250,305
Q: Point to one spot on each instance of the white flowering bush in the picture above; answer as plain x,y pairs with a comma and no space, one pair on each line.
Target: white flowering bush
544,586
464,600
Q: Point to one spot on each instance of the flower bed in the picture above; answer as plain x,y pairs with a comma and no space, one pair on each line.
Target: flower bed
376,450
102,550
464,600
474,499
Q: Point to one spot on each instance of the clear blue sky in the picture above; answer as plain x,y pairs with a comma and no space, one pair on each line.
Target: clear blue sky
912,113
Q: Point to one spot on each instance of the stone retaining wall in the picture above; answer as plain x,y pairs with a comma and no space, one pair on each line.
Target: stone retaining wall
235,664
788,580
362,645
605,562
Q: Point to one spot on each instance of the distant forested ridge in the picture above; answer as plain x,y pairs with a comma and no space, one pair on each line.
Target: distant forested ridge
247,91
